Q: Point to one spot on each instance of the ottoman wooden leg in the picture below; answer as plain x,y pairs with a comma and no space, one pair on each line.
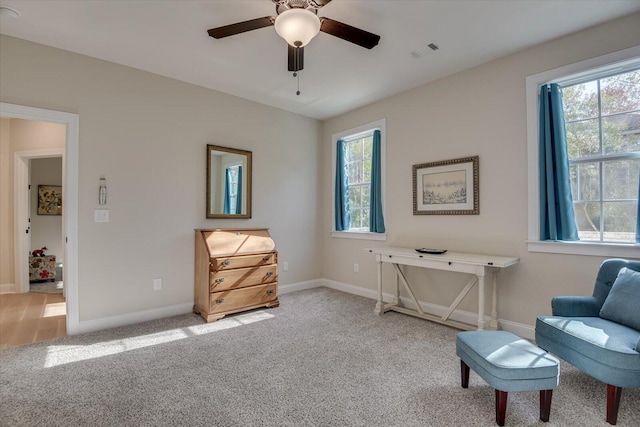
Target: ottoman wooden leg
501,406
464,373
545,404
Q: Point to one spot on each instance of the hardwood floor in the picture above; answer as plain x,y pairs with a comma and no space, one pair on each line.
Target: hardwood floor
31,317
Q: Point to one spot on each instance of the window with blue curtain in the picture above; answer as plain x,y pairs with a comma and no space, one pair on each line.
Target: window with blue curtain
589,158
358,189
376,217
557,217
342,216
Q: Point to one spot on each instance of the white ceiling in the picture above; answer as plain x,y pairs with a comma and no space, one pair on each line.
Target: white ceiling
170,38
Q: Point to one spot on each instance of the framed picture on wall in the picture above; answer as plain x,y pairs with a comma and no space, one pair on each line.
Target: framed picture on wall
49,200
448,187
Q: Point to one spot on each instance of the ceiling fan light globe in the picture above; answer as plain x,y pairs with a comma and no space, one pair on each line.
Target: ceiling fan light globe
297,26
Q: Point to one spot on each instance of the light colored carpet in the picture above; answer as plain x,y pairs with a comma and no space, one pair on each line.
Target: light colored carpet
46,287
321,359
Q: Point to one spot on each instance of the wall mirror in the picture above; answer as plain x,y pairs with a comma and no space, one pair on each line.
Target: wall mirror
228,182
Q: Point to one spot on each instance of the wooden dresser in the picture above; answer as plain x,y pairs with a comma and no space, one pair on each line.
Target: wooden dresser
236,270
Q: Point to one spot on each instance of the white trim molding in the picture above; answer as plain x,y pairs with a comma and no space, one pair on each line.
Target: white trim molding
8,288
300,286
520,329
354,132
366,235
533,83
132,318
70,200
525,331
168,311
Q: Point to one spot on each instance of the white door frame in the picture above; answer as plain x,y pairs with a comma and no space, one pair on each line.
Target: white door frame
69,202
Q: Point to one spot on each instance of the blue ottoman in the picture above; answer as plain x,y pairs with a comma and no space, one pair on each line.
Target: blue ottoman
508,363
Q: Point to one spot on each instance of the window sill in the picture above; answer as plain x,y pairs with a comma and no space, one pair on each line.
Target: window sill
629,250
359,235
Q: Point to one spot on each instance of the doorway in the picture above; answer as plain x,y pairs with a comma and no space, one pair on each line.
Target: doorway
46,260
69,205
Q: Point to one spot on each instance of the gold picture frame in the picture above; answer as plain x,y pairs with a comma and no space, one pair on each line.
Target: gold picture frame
449,187
49,200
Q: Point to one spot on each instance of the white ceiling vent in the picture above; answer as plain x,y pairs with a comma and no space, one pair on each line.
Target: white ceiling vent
419,53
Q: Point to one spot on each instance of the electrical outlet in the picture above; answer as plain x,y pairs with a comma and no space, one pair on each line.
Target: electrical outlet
157,284
356,267
285,266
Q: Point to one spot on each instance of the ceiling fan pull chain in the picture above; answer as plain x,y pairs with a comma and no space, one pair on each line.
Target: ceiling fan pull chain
297,74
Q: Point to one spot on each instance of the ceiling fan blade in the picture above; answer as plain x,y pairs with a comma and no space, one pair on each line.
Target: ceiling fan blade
347,32
296,58
241,27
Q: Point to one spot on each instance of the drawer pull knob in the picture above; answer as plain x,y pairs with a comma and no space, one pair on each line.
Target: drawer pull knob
225,263
219,280
267,258
271,292
269,273
219,301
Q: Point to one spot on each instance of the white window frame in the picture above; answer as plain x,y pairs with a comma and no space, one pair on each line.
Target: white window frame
616,61
351,134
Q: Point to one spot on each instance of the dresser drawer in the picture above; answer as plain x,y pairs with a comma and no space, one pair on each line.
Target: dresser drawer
227,263
242,298
243,277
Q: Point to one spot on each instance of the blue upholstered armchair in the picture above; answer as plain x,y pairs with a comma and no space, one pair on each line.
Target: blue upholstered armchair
600,335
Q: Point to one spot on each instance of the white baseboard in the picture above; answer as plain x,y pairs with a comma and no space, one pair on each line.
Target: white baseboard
520,329
173,310
8,288
131,318
300,286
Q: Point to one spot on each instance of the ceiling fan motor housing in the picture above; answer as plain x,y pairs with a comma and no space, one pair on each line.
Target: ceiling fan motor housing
284,5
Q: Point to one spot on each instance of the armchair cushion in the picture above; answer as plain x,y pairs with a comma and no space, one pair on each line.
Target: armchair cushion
606,350
623,302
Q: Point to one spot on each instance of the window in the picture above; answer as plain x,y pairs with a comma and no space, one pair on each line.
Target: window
601,105
602,120
359,171
357,157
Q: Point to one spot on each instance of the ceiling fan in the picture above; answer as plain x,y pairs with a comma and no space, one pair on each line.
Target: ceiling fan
297,22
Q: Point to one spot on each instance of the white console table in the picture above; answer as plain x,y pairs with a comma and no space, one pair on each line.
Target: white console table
478,265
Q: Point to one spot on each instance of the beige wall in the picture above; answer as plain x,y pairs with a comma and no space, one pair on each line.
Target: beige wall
18,135
147,135
481,111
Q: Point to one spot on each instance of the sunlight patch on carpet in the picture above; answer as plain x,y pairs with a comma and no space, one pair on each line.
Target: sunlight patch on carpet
64,354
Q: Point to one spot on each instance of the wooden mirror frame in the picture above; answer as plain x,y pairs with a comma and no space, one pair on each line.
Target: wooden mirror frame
246,182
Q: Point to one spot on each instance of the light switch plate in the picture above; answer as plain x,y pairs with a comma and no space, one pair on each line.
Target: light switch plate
101,215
